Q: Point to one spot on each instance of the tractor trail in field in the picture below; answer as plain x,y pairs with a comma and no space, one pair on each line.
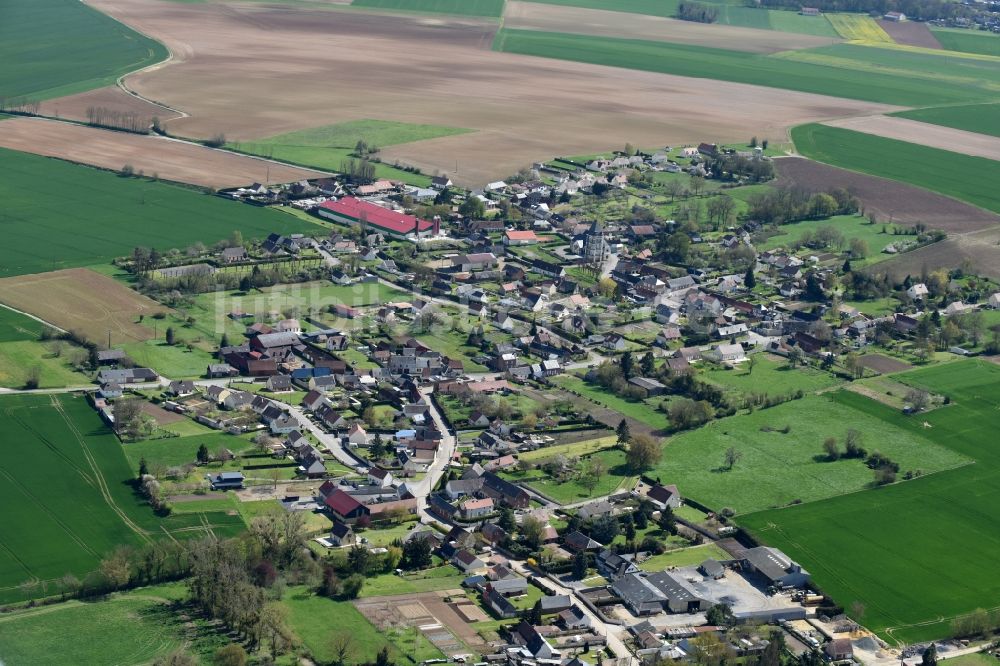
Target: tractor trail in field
101,482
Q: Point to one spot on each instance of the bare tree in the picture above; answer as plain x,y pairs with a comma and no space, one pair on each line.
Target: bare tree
732,456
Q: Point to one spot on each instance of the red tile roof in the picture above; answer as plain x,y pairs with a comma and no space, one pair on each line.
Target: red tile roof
376,215
342,504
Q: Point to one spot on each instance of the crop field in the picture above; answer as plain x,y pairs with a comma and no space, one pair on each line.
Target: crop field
770,375
778,468
375,65
921,133
329,146
981,118
60,442
82,300
970,179
561,18
886,547
59,47
910,33
844,70
99,216
729,13
858,27
170,160
968,41
888,199
458,7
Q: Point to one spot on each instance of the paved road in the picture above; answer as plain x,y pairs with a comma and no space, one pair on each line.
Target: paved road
442,458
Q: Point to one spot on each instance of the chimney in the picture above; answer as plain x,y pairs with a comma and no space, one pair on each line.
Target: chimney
437,225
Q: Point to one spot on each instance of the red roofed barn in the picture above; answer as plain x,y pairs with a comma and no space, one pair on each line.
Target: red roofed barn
355,211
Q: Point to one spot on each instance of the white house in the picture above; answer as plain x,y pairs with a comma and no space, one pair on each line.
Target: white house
725,354
357,436
917,291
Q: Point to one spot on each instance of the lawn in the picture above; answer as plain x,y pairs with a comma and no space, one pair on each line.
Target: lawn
571,491
851,226
851,71
575,449
316,619
640,411
327,147
684,557
982,118
452,344
53,48
17,359
59,441
970,179
178,451
779,468
43,232
459,7
445,577
894,549
770,375
968,41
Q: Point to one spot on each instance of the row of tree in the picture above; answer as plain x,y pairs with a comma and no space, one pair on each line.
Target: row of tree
128,121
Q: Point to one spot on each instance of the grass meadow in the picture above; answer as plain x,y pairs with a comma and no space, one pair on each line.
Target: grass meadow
99,216
52,48
971,179
982,118
770,375
917,553
569,492
640,410
968,41
851,71
851,226
457,7
66,495
21,350
779,468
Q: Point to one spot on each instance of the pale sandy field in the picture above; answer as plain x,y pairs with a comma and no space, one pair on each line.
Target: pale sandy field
926,134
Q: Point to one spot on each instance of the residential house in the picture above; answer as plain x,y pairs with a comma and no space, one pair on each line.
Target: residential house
664,496
342,535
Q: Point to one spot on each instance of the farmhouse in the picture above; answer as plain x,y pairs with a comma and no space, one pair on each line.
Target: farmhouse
225,480
774,566
398,225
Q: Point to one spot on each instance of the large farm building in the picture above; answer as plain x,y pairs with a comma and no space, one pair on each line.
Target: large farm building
350,210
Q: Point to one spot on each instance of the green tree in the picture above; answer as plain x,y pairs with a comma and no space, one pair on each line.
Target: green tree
667,521
202,454
169,336
623,433
643,452
721,615
506,520
580,565
359,559
749,280
472,208
143,467
417,554
929,657
230,655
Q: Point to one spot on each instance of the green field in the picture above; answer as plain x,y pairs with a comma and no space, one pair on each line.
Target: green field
21,350
851,71
971,179
178,451
66,497
573,490
640,411
52,48
779,468
731,12
684,557
460,7
327,147
770,375
316,619
99,216
445,577
968,41
982,118
851,226
916,553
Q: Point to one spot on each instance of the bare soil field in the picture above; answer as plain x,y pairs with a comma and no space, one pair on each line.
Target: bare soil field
160,415
902,203
980,249
910,33
421,609
74,107
168,159
925,134
883,364
78,299
559,18
254,70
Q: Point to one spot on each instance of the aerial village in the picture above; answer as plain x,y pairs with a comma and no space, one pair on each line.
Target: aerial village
471,379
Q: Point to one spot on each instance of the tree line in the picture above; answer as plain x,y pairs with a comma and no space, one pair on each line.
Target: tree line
128,121
697,12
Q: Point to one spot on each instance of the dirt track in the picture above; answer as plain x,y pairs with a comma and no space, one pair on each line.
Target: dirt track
170,160
925,134
889,199
559,18
254,70
74,107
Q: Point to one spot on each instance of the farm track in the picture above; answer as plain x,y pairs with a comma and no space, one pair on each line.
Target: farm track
101,482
